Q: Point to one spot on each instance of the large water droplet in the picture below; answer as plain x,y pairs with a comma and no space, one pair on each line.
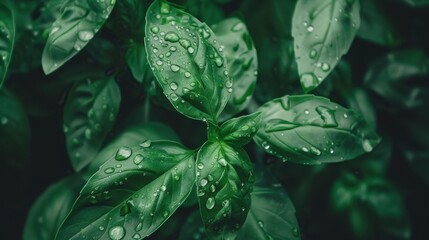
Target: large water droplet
109,170
146,143
173,86
117,233
171,37
309,81
200,166
155,30
210,203
138,159
367,145
174,68
86,35
123,153
185,43
325,67
218,61
203,182
310,28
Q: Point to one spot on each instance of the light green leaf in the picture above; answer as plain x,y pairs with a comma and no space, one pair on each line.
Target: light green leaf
323,31
224,182
133,193
80,20
130,136
308,129
242,60
89,115
239,131
7,38
15,133
185,58
51,208
272,214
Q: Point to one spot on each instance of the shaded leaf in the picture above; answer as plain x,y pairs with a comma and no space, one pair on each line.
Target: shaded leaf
7,39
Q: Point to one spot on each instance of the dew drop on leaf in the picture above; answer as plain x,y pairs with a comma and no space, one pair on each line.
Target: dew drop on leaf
203,182
123,153
109,170
210,203
138,159
86,35
146,143
171,37
174,68
117,233
200,166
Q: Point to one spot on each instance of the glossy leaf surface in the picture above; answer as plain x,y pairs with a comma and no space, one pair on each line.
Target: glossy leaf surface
239,131
323,31
308,129
185,57
133,193
89,115
80,20
7,38
224,182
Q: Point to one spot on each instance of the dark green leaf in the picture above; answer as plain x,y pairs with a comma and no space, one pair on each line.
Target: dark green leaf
416,3
224,183
239,131
133,193
272,214
185,57
89,115
80,20
7,38
51,208
206,10
308,129
323,31
401,78
376,26
131,136
137,61
14,131
242,60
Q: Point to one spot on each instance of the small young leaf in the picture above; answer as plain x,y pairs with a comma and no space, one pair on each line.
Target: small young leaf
224,182
242,60
51,208
137,61
7,38
14,131
89,115
80,20
187,62
239,131
272,214
323,31
133,193
308,129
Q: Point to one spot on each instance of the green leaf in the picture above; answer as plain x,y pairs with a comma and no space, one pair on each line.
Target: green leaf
400,78
14,131
137,61
185,58
89,115
323,31
224,182
239,131
133,193
51,208
308,129
242,60
373,204
7,38
416,3
206,10
376,26
130,136
272,214
80,20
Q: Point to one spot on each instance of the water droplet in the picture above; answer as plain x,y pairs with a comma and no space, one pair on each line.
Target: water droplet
313,53
163,188
185,43
367,145
222,162
138,159
331,150
173,48
155,30
309,81
261,223
304,149
155,50
225,203
137,236
54,30
228,84
123,153
210,203
146,143
237,27
173,86
117,233
88,134
265,145
203,182
218,61
159,63
187,74
213,188
174,68
101,228
315,151
310,28
171,37
325,67
139,227
174,97
200,166
191,50
306,112
109,170
295,232
86,35
345,115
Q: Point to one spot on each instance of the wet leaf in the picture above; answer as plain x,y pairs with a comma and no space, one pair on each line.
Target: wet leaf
7,39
